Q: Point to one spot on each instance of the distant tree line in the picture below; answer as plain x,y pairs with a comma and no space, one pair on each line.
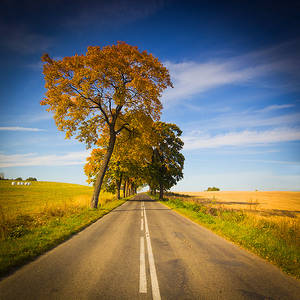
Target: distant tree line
212,189
28,179
2,177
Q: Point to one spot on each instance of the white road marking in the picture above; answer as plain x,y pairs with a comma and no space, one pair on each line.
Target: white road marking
143,280
142,224
154,281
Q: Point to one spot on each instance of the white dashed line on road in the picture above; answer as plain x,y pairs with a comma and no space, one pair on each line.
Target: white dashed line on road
143,279
154,281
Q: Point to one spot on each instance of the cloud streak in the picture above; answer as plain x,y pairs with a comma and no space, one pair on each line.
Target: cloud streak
281,162
275,107
243,138
18,128
245,120
32,159
191,78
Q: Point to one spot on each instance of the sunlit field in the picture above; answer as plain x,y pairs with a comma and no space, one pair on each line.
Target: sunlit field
37,217
267,223
43,197
267,203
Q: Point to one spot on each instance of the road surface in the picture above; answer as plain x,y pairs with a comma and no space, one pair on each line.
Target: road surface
143,250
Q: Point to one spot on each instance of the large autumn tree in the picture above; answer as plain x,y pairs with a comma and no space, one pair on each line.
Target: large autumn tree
101,90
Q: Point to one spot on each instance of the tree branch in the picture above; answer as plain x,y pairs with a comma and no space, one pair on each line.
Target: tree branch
95,102
104,114
123,127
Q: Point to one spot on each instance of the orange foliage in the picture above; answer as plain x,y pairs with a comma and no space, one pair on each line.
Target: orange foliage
87,92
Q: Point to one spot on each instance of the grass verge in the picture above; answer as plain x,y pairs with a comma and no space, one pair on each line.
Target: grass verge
36,218
276,240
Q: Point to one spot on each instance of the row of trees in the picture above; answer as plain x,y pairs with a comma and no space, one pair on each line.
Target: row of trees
212,189
109,99
136,162
28,179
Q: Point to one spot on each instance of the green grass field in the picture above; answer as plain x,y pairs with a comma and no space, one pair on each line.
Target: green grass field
35,218
275,239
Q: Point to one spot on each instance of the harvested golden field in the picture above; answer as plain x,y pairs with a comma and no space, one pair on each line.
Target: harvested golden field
271,203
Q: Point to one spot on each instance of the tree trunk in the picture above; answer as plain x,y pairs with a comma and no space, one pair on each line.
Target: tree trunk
103,168
124,189
119,186
161,192
128,189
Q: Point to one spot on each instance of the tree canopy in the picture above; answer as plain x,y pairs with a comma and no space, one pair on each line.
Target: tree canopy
132,153
166,167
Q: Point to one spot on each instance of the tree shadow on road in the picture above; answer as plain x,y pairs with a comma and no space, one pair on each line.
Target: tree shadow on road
139,200
139,209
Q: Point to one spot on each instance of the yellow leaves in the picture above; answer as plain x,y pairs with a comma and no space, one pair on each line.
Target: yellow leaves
68,135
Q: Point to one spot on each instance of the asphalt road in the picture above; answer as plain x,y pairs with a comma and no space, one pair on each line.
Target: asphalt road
143,250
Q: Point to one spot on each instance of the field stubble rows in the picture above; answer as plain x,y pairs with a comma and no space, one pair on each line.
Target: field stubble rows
275,203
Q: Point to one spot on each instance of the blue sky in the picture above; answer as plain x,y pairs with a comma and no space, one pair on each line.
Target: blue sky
235,69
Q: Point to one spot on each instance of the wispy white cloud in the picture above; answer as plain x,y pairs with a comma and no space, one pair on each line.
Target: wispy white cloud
243,138
192,78
39,117
18,128
275,107
252,120
247,151
32,159
245,120
280,162
25,119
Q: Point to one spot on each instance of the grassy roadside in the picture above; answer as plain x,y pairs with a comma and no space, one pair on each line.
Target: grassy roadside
36,218
273,240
